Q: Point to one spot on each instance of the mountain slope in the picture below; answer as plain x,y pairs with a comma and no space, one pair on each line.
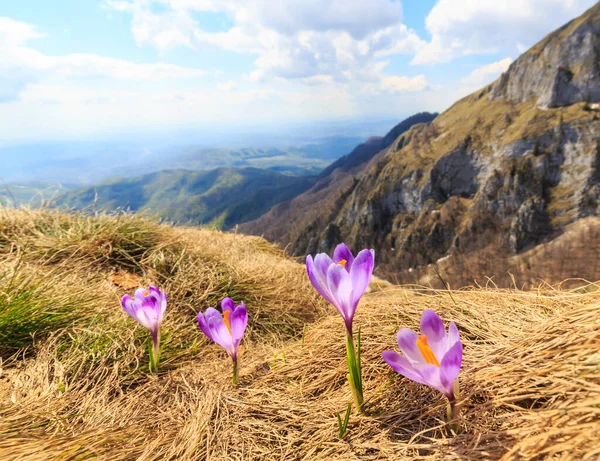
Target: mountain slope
222,197
367,150
75,383
295,219
501,168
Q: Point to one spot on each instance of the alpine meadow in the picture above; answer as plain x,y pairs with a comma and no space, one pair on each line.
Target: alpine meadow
300,230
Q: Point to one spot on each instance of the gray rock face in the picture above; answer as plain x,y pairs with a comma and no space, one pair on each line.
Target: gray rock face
517,194
530,223
561,70
456,173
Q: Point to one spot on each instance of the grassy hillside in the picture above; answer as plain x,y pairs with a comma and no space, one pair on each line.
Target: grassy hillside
222,197
74,382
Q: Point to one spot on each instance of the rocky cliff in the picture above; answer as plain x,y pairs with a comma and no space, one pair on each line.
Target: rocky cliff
508,167
561,70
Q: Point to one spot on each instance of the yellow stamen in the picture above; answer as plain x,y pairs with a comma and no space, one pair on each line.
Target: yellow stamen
343,263
226,315
147,293
426,351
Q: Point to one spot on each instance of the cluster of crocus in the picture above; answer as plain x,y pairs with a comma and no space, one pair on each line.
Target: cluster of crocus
148,308
433,357
227,329
342,280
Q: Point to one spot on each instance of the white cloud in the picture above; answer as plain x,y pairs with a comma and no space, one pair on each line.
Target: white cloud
227,86
487,74
15,33
318,80
462,27
291,39
20,64
397,84
322,72
87,65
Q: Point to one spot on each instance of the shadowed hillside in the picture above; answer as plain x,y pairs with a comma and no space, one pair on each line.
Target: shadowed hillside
74,382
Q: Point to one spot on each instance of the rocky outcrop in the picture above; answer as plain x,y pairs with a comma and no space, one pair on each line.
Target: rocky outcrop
561,70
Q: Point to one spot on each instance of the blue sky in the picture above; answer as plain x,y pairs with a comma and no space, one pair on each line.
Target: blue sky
91,68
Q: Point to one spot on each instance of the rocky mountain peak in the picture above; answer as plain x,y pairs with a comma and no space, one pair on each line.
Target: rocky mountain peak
503,170
562,69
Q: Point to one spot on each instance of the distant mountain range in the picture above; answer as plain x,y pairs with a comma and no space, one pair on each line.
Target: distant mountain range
221,197
502,170
76,164
224,197
33,195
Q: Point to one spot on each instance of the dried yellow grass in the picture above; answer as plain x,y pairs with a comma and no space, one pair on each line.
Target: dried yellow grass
530,380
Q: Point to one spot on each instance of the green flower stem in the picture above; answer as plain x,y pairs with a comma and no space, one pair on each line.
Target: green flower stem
235,372
154,349
453,409
354,368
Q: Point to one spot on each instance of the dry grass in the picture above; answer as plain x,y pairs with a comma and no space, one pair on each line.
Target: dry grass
78,388
568,261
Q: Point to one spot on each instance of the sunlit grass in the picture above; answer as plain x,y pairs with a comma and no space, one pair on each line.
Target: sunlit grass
74,378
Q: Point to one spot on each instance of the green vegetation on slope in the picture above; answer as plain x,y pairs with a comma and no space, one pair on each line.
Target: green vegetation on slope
222,197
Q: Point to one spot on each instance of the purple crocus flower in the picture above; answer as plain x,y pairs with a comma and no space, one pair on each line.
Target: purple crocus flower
147,307
432,358
226,330
342,280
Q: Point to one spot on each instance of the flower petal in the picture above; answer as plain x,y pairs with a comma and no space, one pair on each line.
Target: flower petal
343,253
238,320
431,375
361,273
145,316
163,305
407,340
450,365
453,334
340,287
318,279
432,326
127,304
227,305
400,365
218,330
203,324
322,263
139,294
